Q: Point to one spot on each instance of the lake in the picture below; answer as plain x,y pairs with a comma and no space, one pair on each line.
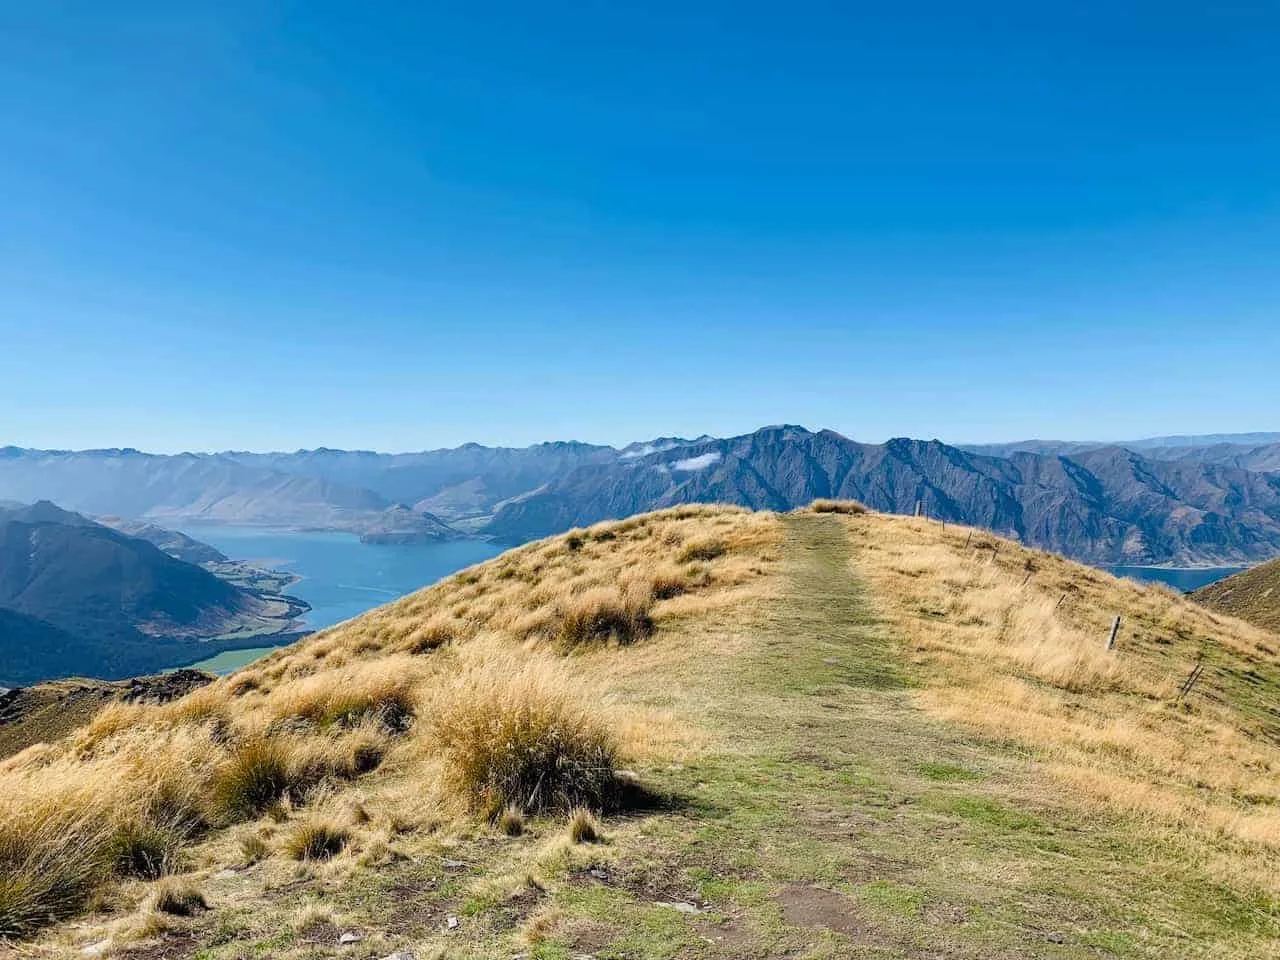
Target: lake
1180,578
341,577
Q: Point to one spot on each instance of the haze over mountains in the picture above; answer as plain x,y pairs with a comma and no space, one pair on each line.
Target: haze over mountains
1180,500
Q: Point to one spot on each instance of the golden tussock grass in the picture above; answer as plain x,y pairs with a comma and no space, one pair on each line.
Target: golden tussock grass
584,827
420,692
178,897
604,614
1015,641
317,839
510,735
850,507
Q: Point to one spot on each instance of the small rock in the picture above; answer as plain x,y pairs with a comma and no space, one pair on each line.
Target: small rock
1055,938
227,874
682,905
453,864
350,937
598,873
451,922
96,949
400,955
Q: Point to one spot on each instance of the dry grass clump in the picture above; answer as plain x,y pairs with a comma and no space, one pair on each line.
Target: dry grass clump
433,634
50,863
670,581
346,702
516,736
178,897
584,827
256,775
317,839
144,848
254,847
604,614
510,822
704,549
850,507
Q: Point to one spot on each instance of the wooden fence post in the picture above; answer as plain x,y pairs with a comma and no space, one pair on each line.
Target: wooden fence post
1191,680
1115,629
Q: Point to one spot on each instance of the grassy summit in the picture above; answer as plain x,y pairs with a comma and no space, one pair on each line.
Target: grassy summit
697,733
1252,595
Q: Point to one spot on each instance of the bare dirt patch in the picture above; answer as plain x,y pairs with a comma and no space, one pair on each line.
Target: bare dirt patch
806,906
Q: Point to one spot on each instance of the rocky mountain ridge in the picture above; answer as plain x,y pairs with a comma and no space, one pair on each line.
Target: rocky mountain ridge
1174,500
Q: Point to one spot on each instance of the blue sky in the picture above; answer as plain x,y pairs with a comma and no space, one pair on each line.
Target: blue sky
398,226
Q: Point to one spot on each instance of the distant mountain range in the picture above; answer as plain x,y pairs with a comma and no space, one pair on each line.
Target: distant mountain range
1171,500
77,597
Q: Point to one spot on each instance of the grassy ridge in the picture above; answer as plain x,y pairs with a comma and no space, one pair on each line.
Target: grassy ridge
1252,595
698,733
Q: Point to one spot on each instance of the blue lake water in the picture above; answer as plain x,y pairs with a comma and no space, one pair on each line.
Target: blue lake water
341,577
1184,579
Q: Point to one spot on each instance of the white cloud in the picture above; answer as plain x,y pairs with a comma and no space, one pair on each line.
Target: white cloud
697,463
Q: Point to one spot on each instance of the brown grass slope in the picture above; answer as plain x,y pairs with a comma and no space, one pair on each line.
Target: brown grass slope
1252,595
823,734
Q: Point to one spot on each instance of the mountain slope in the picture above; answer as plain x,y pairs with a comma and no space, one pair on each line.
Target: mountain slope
845,735
1249,451
1170,503
1252,595
1105,506
459,482
187,486
80,598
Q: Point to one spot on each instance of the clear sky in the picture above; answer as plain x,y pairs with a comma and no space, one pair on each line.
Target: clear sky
398,226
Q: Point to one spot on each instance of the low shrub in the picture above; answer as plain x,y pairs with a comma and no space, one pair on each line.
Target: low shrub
317,840
604,614
521,740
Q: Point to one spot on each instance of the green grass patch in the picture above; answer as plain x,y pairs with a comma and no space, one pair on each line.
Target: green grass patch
946,772
897,899
992,815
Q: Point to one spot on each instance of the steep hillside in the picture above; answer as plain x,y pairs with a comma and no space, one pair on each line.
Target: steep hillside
698,733
1252,595
82,599
45,712
1107,505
